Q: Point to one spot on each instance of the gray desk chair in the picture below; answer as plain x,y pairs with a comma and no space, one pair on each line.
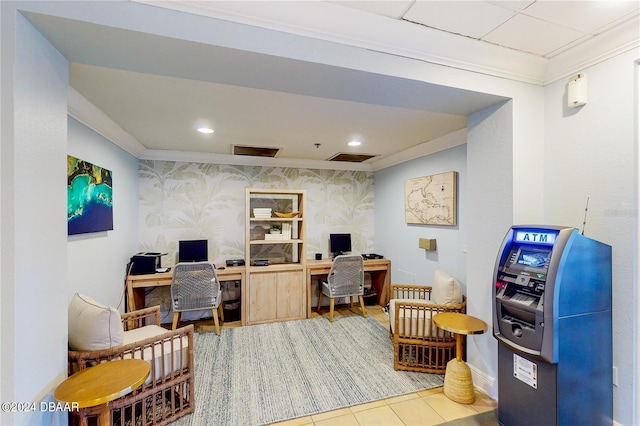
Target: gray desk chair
346,279
195,287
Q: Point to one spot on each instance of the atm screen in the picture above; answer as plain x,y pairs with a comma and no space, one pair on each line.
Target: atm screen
533,259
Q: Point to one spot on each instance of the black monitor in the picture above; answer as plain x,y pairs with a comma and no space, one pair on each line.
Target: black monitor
193,251
339,243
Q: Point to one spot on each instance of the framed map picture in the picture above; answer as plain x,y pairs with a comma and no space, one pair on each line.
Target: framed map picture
89,197
431,200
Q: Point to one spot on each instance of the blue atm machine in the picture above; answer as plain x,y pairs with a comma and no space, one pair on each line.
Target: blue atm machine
552,319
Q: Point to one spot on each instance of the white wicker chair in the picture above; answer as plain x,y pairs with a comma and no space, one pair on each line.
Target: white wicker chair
346,279
168,393
195,287
419,345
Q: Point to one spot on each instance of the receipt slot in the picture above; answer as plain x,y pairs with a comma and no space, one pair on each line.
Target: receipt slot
552,319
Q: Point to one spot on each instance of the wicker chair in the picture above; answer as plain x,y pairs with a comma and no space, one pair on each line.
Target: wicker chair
345,279
195,287
418,344
167,394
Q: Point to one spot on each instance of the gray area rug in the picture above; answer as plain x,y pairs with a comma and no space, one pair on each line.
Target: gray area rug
267,373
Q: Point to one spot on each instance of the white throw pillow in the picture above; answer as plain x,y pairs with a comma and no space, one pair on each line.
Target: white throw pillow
93,326
445,289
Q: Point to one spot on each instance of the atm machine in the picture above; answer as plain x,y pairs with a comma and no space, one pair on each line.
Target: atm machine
552,319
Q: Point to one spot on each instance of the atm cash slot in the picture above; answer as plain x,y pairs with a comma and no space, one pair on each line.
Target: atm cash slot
521,303
525,325
524,281
518,313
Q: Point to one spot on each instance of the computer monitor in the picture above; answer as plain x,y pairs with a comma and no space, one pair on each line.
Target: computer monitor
339,243
193,251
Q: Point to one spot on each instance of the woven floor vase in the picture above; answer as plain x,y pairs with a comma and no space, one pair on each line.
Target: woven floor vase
458,385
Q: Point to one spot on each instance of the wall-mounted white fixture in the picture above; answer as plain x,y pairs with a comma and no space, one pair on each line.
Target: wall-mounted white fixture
427,244
577,90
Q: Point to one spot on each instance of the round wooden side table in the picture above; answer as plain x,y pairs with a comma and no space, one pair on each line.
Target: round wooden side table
458,384
102,384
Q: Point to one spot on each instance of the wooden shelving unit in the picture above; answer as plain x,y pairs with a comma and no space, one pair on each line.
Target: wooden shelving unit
275,292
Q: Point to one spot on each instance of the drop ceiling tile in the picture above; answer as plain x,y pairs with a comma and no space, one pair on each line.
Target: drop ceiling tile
532,35
469,18
392,9
586,16
513,5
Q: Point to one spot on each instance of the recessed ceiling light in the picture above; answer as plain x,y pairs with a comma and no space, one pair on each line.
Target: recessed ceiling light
205,129
354,143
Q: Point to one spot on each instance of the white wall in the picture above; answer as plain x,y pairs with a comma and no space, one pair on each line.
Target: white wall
398,241
490,214
589,153
97,261
34,273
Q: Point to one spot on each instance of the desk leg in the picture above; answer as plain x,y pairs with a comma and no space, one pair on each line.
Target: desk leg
131,305
309,293
380,282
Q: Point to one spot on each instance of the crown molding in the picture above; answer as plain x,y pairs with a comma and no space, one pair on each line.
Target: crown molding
622,38
88,114
459,137
330,22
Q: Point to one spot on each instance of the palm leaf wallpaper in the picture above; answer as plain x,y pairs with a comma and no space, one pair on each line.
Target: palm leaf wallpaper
181,201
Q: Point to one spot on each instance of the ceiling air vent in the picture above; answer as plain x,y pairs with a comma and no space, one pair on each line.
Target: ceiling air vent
352,158
255,151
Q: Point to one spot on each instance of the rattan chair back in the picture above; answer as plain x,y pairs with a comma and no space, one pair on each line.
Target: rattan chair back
194,286
346,277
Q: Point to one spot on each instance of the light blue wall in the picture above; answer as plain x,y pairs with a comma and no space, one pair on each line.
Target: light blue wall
103,255
490,214
398,241
589,153
34,252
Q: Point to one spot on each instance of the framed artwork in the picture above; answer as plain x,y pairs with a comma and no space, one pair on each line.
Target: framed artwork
431,200
89,197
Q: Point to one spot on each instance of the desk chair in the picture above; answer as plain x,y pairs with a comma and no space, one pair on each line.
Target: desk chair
195,287
346,279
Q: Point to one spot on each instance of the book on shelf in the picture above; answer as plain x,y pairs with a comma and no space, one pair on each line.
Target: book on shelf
262,213
285,233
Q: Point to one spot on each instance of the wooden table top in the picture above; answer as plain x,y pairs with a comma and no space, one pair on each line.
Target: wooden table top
459,323
103,382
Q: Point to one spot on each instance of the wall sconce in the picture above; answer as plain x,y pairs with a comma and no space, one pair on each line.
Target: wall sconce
427,244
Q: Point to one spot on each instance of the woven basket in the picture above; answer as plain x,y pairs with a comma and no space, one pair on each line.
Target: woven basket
287,215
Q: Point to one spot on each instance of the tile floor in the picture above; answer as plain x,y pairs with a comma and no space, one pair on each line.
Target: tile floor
424,408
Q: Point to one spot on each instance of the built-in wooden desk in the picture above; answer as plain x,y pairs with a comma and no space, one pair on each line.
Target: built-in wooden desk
380,277
136,284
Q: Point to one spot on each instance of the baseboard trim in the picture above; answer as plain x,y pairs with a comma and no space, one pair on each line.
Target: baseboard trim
484,382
